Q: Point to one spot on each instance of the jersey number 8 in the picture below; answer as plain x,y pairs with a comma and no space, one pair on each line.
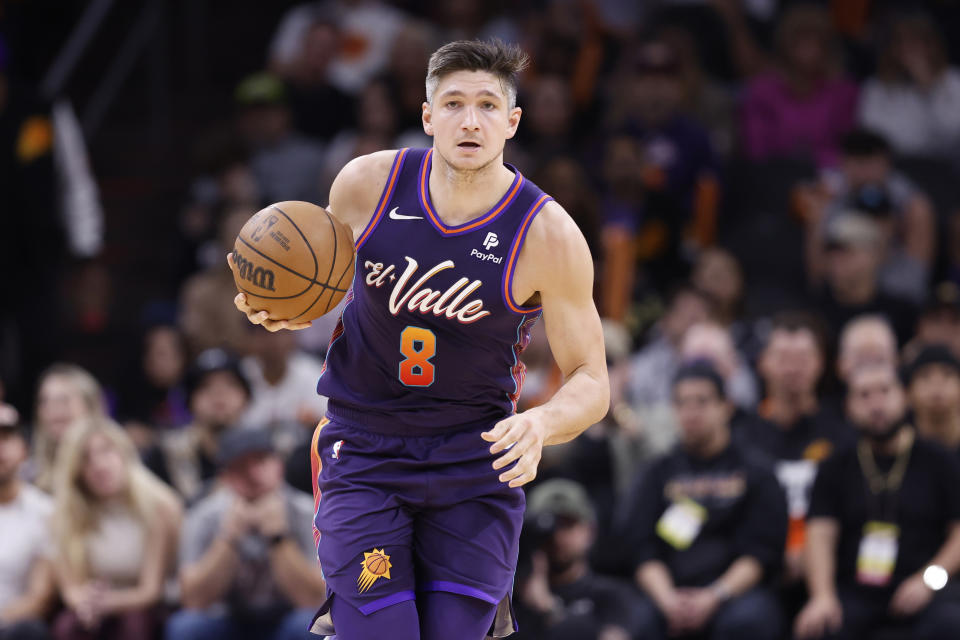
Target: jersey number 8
418,345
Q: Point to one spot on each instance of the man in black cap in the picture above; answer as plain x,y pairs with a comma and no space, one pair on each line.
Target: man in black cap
217,394
933,387
27,588
245,554
709,526
561,598
883,530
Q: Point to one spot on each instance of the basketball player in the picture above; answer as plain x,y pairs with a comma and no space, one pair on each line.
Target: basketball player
422,456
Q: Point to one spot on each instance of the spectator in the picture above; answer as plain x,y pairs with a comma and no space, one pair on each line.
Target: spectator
367,27
866,339
404,76
27,587
218,393
712,342
719,275
65,394
283,385
319,109
561,597
933,388
208,317
867,183
881,513
939,320
805,105
914,100
152,396
115,527
678,170
647,387
247,558
709,526
286,165
548,123
793,428
566,180
852,287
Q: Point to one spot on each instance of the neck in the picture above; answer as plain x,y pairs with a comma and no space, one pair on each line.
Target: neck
713,445
464,195
273,370
942,427
893,446
9,490
571,574
856,292
785,408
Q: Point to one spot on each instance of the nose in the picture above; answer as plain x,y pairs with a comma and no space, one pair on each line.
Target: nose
470,120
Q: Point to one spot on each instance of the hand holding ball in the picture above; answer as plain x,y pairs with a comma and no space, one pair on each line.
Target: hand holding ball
294,261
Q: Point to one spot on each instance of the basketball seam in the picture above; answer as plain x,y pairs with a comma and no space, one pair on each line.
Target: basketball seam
339,280
333,263
313,254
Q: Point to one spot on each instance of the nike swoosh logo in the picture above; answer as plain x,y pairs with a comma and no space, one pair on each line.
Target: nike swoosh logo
399,216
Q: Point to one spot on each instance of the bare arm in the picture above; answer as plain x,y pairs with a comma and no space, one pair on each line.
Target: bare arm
297,577
821,548
556,263
740,577
654,578
949,555
920,230
35,603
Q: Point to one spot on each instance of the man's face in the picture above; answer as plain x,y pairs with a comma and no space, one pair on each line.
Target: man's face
864,170
687,310
255,475
13,451
935,388
849,267
470,119
875,400
700,411
791,361
866,344
570,543
219,400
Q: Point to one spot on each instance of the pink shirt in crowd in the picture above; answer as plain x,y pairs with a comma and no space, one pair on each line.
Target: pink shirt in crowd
777,123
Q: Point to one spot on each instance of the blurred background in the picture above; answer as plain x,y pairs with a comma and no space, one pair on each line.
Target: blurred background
728,161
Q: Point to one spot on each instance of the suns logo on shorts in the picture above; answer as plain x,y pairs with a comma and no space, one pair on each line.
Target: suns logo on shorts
376,565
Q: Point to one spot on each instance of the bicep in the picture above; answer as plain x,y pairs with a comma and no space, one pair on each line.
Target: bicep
566,293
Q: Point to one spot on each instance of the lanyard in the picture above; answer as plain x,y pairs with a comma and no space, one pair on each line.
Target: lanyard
890,482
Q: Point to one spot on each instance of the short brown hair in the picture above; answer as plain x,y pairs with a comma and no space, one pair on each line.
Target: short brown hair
503,60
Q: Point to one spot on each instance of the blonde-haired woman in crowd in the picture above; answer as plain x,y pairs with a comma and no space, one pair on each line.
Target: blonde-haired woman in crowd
115,528
66,393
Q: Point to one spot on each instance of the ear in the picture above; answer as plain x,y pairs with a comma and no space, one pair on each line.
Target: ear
513,121
426,117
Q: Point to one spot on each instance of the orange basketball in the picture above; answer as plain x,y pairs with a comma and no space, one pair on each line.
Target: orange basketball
294,260
376,564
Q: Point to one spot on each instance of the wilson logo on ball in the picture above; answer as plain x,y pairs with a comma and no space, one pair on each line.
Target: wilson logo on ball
257,276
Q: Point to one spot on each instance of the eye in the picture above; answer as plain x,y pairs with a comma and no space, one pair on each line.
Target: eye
489,106
452,104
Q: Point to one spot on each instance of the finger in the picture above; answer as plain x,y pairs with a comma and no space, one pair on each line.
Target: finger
512,454
230,260
240,302
497,432
523,478
511,435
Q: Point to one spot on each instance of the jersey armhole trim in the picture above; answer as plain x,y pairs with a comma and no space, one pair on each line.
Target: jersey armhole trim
514,254
388,190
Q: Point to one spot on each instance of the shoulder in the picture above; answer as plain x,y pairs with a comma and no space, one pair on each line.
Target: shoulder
556,246
36,502
209,508
356,189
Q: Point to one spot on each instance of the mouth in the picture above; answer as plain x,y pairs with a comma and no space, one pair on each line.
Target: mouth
468,145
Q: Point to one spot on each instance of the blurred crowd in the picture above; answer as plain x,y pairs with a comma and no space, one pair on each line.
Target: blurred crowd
768,188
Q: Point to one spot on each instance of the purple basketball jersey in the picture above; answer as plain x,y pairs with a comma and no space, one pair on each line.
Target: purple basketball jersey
431,335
